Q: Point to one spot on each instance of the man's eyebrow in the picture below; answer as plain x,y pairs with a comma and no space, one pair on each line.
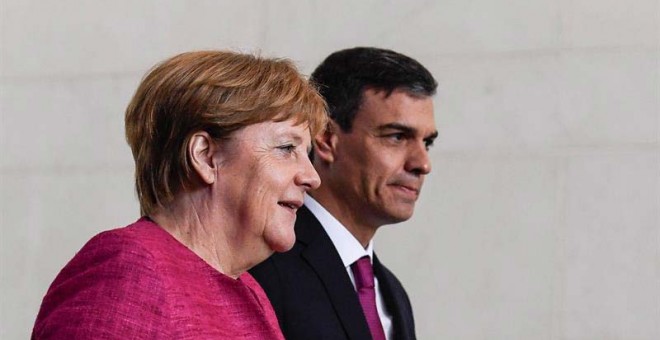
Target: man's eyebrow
397,126
432,136
405,129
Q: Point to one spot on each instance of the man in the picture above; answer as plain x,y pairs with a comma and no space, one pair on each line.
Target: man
372,161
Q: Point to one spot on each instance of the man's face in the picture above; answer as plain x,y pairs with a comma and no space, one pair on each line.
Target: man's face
380,165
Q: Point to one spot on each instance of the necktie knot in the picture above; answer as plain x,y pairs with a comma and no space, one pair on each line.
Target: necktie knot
363,273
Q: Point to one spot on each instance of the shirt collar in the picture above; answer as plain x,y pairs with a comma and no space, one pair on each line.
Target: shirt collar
348,247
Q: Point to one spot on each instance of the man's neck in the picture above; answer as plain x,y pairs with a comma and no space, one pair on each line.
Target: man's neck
350,219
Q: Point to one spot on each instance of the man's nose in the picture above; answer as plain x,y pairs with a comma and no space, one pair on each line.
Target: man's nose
418,161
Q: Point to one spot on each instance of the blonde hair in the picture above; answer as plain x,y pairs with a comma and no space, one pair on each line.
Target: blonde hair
214,91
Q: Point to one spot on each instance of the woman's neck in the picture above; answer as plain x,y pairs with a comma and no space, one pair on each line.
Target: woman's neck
193,226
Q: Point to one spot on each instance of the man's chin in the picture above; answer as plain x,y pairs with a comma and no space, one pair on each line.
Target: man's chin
399,216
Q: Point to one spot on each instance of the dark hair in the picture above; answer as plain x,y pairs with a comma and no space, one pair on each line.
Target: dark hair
214,91
344,75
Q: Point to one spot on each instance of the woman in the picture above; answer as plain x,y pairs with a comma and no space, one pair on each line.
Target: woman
220,142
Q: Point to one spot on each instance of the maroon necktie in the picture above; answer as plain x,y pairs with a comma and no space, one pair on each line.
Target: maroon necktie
364,284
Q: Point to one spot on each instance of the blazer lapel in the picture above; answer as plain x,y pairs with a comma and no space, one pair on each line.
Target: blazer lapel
394,302
322,256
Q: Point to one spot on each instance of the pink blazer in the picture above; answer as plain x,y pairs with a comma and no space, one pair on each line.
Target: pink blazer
138,282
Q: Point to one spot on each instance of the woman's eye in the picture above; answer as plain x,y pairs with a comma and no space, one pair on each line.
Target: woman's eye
289,148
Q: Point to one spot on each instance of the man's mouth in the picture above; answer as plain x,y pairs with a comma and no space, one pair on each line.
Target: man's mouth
410,188
411,192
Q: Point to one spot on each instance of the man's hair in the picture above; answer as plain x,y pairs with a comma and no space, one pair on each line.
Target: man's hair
344,75
218,92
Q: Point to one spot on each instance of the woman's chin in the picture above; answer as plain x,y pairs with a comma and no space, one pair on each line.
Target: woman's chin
282,244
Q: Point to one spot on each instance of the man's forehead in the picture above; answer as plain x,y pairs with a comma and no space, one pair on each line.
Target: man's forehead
418,116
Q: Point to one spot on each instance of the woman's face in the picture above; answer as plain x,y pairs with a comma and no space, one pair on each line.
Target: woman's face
263,174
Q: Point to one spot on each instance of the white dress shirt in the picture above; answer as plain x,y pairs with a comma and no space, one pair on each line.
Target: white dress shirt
350,250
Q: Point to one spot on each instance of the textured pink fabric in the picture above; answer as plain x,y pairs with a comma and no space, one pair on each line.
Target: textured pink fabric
364,283
138,282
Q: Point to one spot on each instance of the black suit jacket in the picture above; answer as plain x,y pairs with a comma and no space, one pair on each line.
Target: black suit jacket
312,293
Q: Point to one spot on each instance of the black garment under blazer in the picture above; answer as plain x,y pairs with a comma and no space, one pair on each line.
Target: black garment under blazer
312,293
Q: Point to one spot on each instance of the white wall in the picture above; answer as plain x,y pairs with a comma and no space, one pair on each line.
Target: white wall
541,217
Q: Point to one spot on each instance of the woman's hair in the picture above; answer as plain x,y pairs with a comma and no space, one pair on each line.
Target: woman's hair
214,91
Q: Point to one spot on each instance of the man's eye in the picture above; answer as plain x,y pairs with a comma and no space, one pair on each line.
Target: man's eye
396,137
428,144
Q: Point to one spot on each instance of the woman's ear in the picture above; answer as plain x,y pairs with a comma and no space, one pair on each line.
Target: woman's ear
201,149
325,143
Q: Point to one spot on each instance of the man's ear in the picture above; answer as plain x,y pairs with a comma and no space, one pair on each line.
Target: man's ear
325,143
201,149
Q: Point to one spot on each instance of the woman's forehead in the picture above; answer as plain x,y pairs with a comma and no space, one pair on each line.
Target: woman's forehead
288,129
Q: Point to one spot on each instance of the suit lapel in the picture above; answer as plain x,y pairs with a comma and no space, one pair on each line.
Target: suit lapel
394,301
322,256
